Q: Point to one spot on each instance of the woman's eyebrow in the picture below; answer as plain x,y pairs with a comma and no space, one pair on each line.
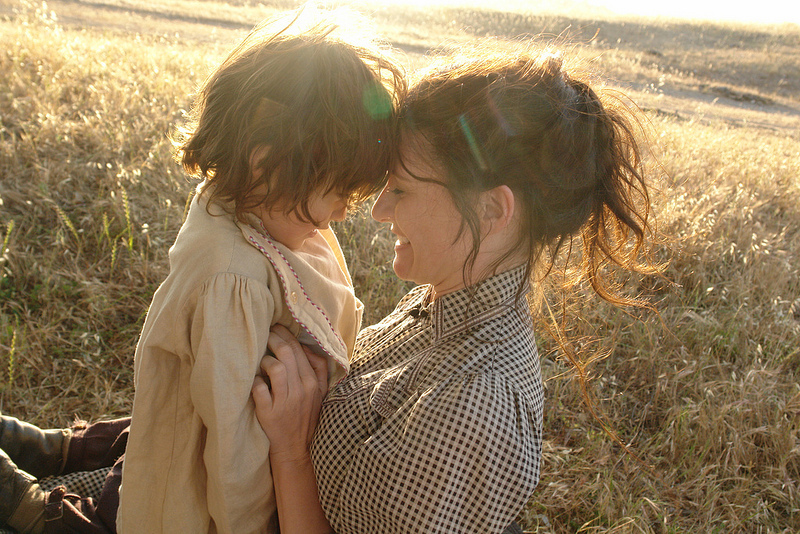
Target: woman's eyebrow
400,175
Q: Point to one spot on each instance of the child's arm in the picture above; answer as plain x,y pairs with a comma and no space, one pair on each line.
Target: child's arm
288,411
229,333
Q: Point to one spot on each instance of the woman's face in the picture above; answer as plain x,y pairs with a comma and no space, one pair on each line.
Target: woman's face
429,249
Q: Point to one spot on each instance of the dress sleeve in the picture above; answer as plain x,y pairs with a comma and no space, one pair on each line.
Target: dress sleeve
229,330
461,457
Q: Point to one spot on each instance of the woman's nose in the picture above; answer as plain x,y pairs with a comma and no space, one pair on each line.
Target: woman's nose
381,210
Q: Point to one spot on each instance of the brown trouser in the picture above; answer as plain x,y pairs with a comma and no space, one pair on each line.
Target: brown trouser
91,447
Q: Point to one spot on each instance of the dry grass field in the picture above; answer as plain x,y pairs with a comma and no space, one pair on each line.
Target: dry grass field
704,392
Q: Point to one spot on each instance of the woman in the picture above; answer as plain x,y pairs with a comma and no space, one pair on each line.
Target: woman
504,161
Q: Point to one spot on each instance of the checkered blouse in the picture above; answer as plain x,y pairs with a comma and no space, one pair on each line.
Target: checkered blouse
437,428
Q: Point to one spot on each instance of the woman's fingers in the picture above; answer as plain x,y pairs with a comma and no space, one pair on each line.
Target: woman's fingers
295,369
288,351
263,399
289,393
293,355
319,364
275,376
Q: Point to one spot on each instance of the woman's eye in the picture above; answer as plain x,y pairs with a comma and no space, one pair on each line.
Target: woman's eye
396,191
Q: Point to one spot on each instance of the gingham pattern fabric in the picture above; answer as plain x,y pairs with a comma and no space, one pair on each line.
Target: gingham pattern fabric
83,483
437,428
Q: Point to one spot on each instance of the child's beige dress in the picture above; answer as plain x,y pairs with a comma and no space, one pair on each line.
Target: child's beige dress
197,460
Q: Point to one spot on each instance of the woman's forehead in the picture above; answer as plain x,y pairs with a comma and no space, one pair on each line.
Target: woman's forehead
417,160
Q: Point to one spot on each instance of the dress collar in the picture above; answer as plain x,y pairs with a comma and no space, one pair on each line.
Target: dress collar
473,305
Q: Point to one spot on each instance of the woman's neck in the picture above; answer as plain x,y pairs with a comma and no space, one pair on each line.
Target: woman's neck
487,272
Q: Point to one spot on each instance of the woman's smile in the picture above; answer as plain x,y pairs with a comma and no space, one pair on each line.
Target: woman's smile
431,246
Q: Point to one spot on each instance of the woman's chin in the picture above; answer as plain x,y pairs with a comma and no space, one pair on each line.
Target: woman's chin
401,269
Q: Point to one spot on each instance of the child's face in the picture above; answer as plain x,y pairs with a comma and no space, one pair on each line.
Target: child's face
290,230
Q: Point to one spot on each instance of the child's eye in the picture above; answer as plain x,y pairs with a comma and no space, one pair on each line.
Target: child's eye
396,191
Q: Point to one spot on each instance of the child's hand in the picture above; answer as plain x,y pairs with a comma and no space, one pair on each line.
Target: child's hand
288,408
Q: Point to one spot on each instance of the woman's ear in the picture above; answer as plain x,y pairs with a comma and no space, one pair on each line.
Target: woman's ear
497,207
257,155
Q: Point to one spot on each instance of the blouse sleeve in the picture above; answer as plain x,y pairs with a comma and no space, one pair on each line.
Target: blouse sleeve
229,329
461,457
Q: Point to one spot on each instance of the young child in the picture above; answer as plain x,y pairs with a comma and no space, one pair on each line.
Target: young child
291,129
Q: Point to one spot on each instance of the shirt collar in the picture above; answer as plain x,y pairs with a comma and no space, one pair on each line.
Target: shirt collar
473,305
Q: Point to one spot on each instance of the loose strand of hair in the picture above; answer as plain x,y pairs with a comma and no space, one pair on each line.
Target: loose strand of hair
580,366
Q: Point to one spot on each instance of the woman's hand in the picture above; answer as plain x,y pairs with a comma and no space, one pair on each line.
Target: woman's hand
288,408
288,411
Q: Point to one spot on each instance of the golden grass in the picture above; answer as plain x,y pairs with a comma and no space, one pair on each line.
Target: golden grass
705,392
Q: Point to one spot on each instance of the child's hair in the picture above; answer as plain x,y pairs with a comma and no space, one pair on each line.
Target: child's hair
569,155
304,104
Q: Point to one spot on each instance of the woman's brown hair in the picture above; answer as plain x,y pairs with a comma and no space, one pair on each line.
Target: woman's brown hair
569,154
305,104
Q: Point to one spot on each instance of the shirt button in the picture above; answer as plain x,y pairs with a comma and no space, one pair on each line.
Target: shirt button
293,297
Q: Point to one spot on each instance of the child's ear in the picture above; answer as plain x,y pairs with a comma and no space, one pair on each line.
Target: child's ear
257,155
497,207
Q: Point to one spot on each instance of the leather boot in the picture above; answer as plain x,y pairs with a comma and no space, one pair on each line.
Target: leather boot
22,501
41,453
